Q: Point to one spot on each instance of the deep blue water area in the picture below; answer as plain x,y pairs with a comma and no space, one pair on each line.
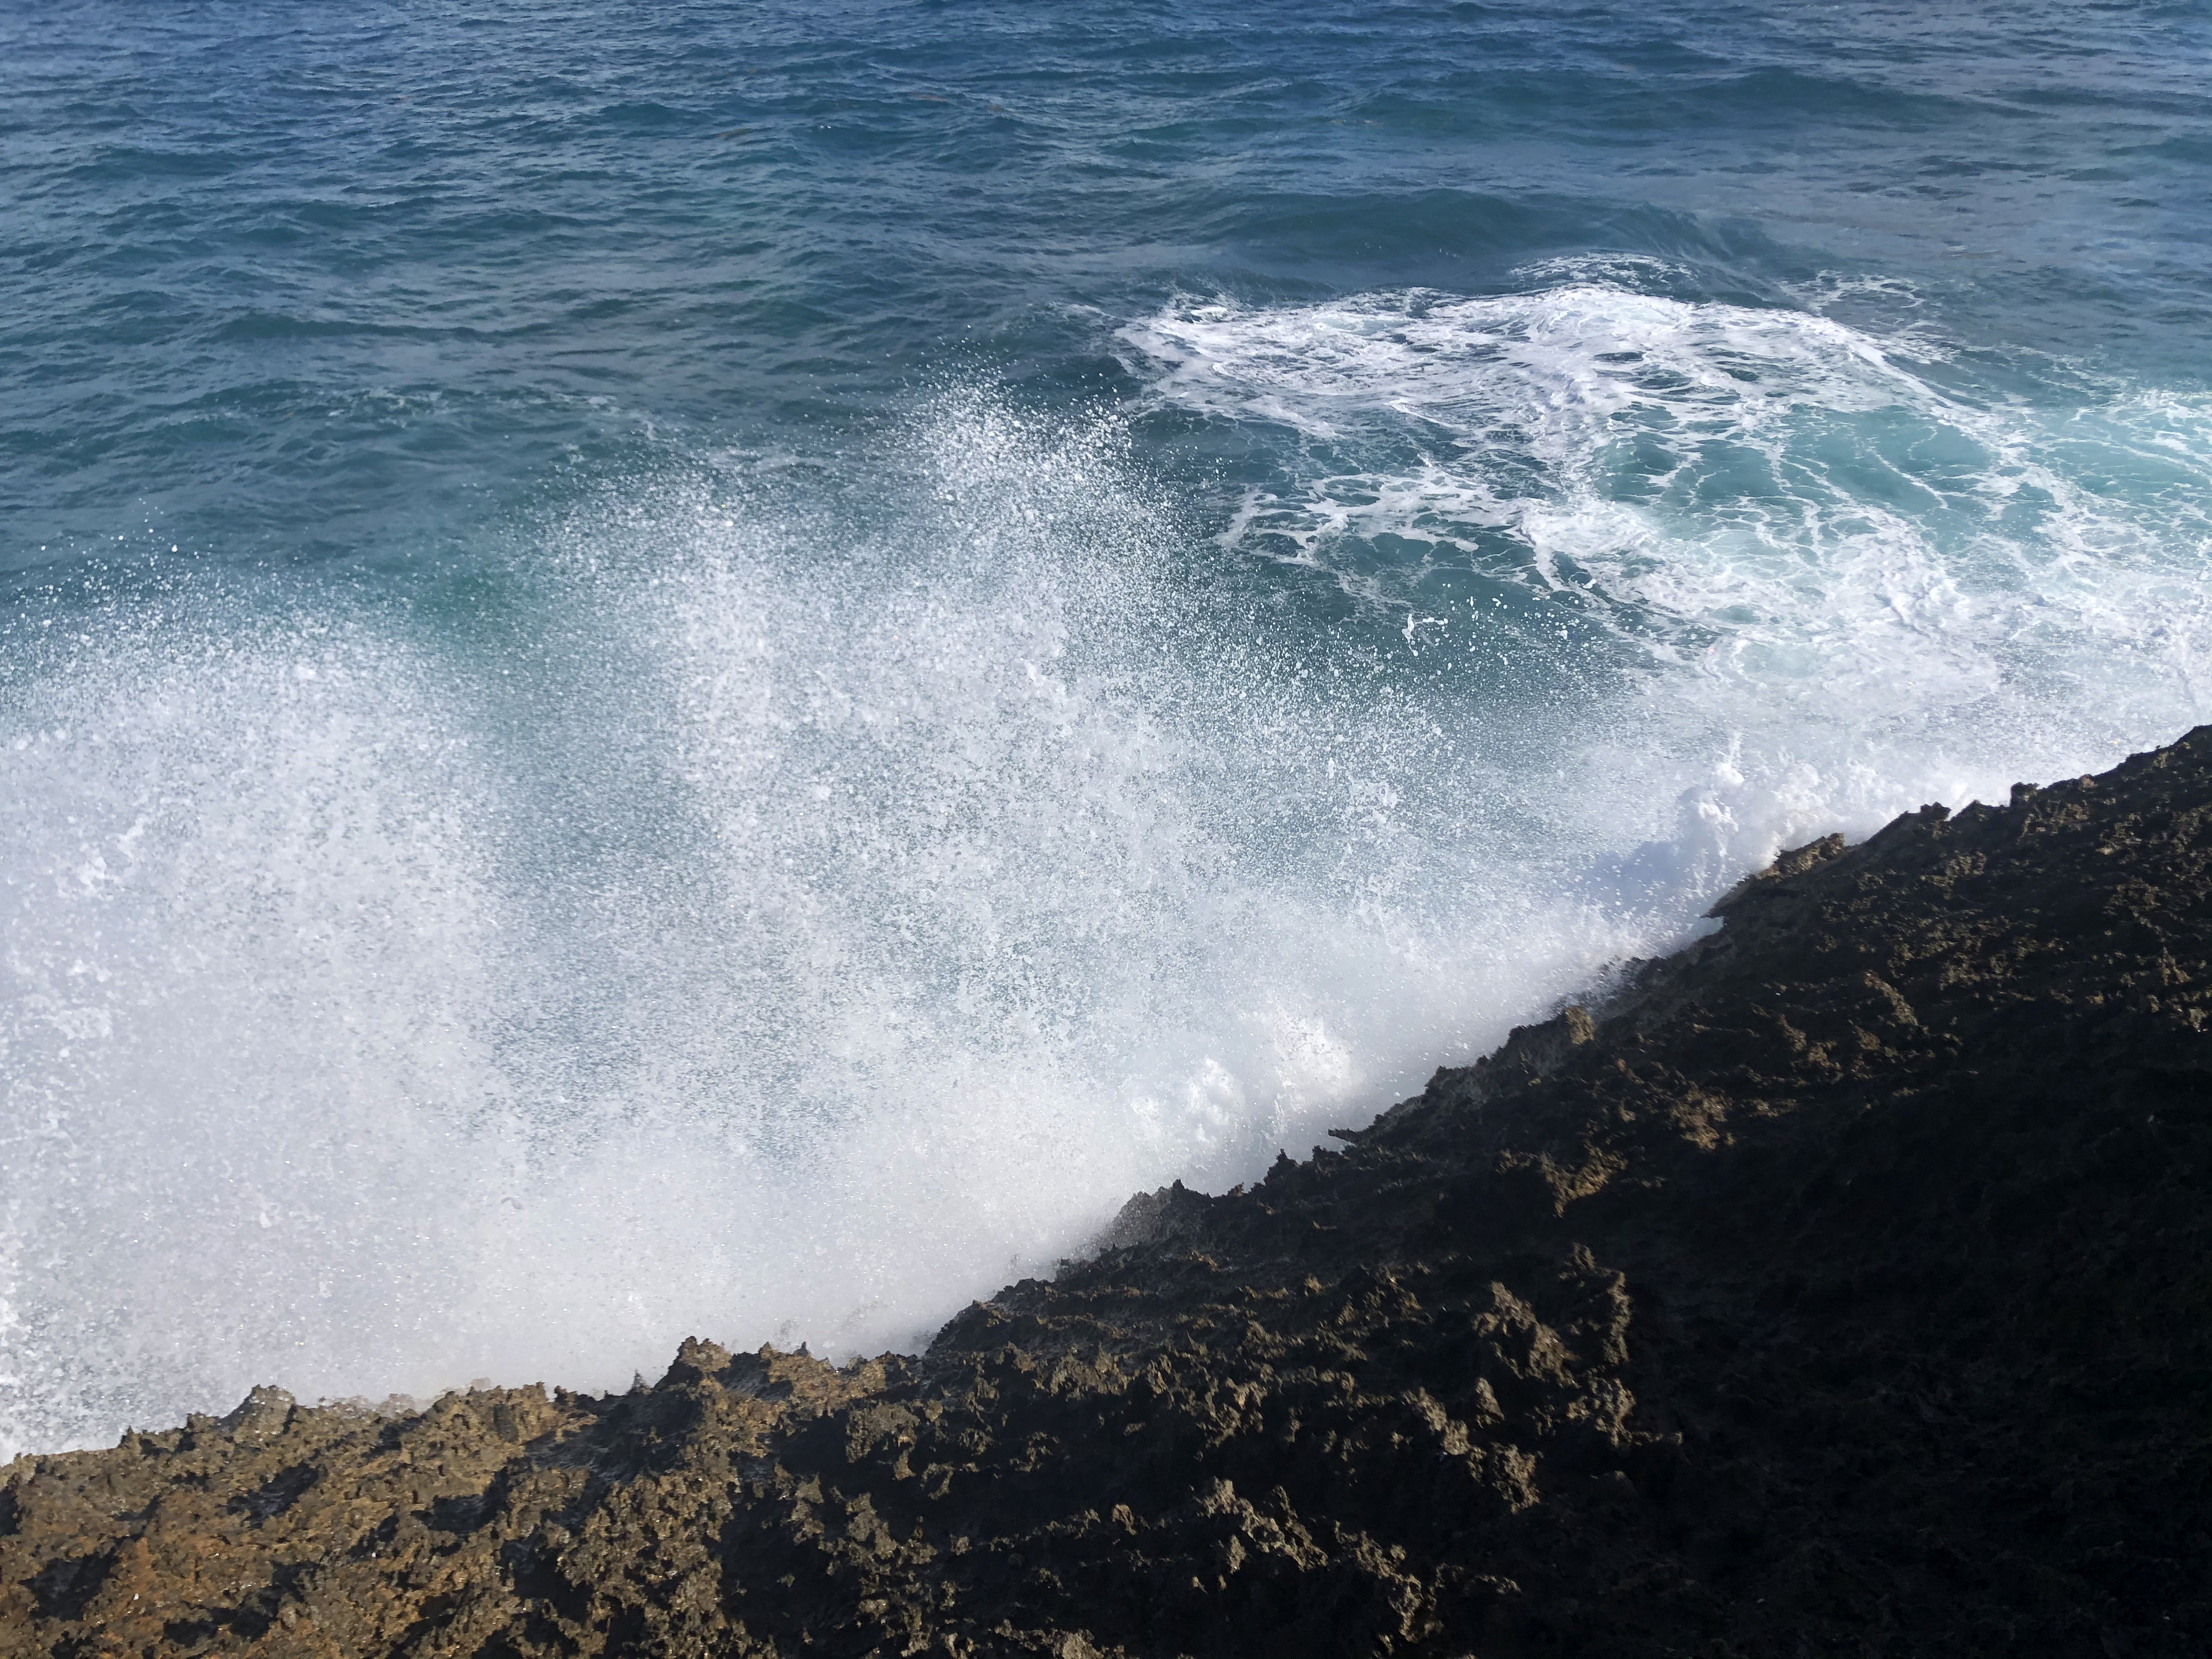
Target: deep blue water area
717,670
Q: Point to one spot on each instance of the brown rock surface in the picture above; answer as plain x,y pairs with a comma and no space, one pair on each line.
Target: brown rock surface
1843,1287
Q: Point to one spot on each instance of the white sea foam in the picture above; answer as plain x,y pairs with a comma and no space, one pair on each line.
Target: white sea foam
1945,576
789,921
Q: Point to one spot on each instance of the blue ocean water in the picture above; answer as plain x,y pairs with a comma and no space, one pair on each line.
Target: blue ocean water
681,669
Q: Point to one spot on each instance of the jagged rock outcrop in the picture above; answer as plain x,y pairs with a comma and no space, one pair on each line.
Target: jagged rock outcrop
1843,1287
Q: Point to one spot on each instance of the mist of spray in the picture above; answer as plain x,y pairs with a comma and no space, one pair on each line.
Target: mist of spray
792,914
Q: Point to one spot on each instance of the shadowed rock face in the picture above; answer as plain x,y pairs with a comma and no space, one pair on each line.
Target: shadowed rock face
1845,1287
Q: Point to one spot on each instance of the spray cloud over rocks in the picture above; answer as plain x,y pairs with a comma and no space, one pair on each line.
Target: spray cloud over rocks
791,918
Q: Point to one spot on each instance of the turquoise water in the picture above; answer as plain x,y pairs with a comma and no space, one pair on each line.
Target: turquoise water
681,670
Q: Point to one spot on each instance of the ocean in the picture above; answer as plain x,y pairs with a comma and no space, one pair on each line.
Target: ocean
720,670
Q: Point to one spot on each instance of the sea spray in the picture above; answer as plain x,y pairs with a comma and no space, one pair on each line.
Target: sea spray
787,911
767,917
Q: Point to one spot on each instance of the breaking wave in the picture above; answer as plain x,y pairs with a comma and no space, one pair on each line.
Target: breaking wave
1912,535
786,909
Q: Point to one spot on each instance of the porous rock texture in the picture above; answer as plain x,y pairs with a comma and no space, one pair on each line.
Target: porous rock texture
1842,1286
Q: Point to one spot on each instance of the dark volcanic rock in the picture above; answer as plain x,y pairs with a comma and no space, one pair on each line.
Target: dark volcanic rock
1844,1288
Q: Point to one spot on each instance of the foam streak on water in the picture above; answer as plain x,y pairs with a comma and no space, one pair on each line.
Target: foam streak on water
810,908
1786,506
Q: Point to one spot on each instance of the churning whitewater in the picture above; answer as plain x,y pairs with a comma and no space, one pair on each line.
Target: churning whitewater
726,685
799,953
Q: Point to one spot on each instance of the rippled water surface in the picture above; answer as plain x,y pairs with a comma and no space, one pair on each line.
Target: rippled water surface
718,670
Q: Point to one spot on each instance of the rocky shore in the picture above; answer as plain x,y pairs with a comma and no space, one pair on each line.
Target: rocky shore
1843,1288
